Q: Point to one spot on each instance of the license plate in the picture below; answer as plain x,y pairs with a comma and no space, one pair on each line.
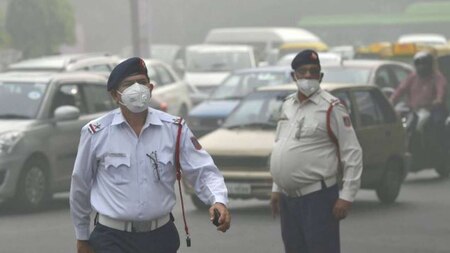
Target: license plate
239,188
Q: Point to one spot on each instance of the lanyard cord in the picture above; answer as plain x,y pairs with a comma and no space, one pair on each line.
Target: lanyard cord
178,167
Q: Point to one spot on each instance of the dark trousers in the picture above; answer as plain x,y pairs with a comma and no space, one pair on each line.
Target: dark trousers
108,240
308,224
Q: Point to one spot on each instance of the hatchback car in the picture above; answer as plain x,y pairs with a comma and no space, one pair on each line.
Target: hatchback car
41,116
210,114
242,147
387,75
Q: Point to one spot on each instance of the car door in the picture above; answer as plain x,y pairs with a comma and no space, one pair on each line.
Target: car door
92,100
65,135
374,130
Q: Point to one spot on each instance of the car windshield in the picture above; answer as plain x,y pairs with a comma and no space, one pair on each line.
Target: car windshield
20,100
257,110
239,85
353,75
198,61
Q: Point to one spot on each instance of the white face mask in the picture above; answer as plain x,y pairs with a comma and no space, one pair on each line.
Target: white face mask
136,98
307,86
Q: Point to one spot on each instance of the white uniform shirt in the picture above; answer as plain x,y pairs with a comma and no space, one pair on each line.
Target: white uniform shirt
114,175
303,152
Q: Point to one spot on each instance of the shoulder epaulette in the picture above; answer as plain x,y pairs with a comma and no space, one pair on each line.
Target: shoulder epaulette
170,118
291,96
98,124
328,97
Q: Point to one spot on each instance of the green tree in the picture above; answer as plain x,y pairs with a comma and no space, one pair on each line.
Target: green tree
4,39
39,27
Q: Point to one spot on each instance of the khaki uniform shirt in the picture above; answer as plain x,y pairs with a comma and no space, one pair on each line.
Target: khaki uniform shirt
303,152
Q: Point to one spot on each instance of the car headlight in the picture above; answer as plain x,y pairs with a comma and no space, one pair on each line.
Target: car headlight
8,140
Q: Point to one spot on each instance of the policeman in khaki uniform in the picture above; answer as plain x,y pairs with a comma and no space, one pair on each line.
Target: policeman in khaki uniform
125,172
305,163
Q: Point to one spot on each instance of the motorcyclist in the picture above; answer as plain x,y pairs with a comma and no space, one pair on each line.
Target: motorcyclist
425,89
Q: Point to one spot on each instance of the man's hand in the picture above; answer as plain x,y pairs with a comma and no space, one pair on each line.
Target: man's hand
224,218
341,209
275,204
84,247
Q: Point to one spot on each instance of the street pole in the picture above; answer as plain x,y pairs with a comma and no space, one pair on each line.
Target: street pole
140,30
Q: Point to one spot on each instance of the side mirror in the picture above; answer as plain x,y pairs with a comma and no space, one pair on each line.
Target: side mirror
66,113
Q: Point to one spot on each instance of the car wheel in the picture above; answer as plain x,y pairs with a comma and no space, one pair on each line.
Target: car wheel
198,203
183,112
389,188
33,187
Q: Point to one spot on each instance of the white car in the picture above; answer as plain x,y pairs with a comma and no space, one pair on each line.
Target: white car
206,65
170,91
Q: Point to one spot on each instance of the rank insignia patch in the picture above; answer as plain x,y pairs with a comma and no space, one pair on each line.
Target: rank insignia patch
94,127
196,143
347,121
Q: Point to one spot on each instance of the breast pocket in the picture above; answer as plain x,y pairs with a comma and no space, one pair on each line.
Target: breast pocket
118,168
282,130
166,169
309,128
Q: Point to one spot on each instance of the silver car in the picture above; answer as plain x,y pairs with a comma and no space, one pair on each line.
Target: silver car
41,116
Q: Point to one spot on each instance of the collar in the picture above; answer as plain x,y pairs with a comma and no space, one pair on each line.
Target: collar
152,118
313,98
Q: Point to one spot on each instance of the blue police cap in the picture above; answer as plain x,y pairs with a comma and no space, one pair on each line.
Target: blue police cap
129,67
307,56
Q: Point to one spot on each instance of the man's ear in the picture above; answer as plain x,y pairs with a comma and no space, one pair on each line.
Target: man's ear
115,95
293,76
151,87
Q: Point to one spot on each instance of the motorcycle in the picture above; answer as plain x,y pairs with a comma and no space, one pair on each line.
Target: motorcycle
428,148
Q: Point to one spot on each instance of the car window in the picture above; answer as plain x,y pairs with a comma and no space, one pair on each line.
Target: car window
261,109
20,99
383,78
355,75
368,109
400,74
153,75
100,68
226,89
97,99
239,85
344,97
164,75
384,106
68,94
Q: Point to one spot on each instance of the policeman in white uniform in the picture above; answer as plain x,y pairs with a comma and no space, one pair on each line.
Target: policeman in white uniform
125,171
306,160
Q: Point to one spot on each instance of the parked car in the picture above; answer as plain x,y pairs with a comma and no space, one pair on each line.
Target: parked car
326,58
172,92
91,62
385,74
41,116
207,65
210,114
241,148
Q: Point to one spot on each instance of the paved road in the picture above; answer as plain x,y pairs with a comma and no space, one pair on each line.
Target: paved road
418,222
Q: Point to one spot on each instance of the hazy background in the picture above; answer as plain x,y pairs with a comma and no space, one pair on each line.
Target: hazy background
104,25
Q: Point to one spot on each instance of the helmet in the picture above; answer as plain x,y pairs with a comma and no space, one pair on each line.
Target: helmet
423,62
